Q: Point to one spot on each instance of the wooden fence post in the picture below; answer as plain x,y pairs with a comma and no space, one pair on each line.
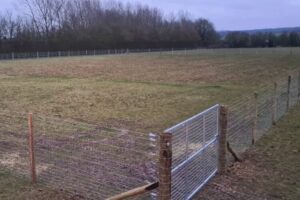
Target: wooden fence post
165,166
288,93
254,130
299,86
222,139
31,149
274,105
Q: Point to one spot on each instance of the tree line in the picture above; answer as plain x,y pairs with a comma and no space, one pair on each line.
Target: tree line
52,25
244,39
62,25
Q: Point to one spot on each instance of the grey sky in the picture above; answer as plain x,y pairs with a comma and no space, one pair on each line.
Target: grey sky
228,14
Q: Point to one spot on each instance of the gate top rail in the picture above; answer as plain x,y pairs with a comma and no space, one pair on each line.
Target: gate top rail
181,124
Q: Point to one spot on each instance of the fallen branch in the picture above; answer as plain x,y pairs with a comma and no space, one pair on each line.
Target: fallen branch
135,192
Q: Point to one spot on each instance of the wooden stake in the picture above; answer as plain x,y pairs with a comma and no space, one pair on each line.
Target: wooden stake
235,156
288,93
274,105
222,139
299,85
31,149
254,130
165,166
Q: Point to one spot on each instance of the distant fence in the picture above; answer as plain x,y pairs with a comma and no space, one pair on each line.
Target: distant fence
97,162
167,51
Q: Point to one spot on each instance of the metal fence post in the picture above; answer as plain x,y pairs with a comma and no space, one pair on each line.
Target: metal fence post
254,129
222,139
37,54
12,55
274,105
31,148
288,93
165,166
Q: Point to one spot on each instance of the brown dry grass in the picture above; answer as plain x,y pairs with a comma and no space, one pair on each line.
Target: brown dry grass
144,91
156,68
148,92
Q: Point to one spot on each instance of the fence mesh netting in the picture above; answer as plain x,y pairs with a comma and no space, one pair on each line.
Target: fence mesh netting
79,159
195,140
164,51
250,118
96,162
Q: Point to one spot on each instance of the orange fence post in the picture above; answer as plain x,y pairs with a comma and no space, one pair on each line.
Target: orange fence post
288,93
31,149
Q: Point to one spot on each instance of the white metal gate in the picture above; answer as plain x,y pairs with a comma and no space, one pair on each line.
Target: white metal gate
195,152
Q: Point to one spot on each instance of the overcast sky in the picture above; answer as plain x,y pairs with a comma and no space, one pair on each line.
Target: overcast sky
227,14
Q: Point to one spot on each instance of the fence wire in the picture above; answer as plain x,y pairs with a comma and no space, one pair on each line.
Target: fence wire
97,162
13,143
77,158
250,118
164,51
195,142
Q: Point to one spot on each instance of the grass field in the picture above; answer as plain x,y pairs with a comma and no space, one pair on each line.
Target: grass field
137,91
147,92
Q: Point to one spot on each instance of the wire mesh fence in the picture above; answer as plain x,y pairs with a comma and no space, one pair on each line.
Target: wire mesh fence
252,116
97,162
196,141
164,51
14,153
77,158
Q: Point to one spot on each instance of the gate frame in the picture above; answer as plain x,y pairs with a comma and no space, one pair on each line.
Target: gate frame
165,155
